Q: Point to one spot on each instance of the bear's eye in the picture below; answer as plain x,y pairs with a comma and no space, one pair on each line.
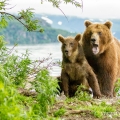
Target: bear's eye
64,44
100,33
71,44
90,32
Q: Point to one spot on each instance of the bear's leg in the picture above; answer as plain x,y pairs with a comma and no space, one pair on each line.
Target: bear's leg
60,84
107,78
72,89
93,82
65,83
107,85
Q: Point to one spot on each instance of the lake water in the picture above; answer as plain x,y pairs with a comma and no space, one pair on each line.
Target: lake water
38,52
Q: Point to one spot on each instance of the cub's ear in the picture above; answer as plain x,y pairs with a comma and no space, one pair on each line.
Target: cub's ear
108,24
78,37
60,38
87,23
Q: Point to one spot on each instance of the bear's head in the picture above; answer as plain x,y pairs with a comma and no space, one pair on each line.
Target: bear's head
69,44
97,36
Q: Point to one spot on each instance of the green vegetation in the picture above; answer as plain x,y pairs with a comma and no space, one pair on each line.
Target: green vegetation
14,74
81,94
45,86
28,92
92,109
56,3
60,112
14,33
117,88
102,109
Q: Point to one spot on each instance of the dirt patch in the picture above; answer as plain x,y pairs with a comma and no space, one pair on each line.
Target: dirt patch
94,109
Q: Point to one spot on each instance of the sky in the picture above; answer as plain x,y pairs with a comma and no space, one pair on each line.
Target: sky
102,9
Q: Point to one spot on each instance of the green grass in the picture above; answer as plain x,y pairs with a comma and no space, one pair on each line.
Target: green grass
60,112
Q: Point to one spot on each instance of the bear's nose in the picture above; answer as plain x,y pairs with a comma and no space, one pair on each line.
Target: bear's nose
93,39
66,51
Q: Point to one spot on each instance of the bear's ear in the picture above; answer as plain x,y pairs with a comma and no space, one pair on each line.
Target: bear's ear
78,37
108,24
60,38
87,23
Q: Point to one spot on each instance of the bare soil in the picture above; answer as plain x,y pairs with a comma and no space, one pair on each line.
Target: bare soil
77,110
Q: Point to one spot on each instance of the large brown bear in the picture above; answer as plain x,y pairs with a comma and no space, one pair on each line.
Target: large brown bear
75,68
102,51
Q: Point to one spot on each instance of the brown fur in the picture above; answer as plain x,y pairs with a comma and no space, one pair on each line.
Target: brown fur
102,51
75,68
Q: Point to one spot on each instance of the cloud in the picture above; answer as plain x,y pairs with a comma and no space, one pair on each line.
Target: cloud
47,20
59,23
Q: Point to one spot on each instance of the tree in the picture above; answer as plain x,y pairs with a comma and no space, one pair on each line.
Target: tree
56,3
26,17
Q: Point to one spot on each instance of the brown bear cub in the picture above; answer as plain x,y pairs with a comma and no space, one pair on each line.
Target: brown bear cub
102,52
75,68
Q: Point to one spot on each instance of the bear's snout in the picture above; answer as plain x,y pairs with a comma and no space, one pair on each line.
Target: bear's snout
95,45
93,40
66,51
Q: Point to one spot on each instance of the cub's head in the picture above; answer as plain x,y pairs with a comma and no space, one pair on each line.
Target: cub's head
69,44
97,36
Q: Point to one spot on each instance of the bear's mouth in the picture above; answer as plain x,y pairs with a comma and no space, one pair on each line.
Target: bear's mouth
95,49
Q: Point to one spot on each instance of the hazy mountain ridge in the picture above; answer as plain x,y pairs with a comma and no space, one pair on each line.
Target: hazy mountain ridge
76,24
53,25
15,33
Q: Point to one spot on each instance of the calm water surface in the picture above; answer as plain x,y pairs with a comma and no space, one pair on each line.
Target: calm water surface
38,52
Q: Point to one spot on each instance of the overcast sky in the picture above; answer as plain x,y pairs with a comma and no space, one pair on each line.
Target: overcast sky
91,8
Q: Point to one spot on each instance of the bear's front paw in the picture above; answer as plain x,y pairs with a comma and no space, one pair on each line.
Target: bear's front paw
108,94
97,96
66,94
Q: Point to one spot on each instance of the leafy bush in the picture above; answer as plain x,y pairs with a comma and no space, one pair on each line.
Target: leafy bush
14,72
46,89
9,102
81,94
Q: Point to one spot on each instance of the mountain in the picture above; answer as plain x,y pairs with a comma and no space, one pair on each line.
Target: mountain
16,34
76,24
53,25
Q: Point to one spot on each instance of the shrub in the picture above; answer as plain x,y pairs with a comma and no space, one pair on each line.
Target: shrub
46,89
14,72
